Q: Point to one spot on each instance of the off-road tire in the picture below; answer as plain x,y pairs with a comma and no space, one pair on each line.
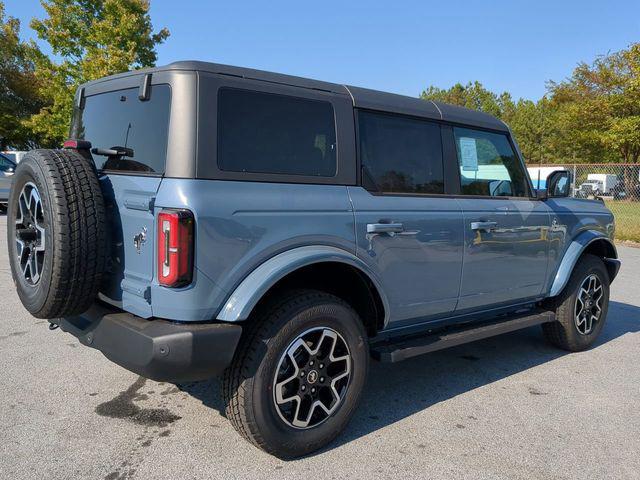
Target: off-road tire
563,333
75,233
248,382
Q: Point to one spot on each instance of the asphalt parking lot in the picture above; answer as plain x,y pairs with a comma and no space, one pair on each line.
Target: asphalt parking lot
507,407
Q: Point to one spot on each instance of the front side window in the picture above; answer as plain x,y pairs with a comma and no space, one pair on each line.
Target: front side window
489,165
400,154
120,119
277,134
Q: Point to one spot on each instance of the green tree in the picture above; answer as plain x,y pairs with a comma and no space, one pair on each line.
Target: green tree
533,126
599,108
19,97
527,119
90,39
472,95
600,105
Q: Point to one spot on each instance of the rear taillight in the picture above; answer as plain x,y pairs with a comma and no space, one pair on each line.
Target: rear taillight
175,247
77,144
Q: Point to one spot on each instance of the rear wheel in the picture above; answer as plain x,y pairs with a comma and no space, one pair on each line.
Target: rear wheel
582,307
298,374
56,229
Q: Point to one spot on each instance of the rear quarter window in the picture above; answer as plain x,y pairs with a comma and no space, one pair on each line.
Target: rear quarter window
120,119
275,134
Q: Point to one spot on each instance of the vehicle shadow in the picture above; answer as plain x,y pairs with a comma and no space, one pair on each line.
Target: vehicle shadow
397,391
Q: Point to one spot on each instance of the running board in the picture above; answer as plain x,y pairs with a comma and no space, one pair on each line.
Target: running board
411,346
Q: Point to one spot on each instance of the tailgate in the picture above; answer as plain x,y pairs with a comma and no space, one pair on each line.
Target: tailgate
129,200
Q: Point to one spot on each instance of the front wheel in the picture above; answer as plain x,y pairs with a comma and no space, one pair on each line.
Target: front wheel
298,374
582,307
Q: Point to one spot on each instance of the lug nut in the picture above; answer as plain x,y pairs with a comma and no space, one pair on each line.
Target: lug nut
321,365
313,390
321,379
301,374
311,363
303,388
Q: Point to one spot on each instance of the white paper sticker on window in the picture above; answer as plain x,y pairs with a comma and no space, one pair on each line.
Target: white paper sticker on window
469,154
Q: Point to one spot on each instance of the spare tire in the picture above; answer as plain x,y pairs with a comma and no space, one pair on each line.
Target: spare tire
57,233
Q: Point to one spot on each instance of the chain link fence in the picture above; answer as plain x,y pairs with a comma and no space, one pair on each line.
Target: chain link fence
617,184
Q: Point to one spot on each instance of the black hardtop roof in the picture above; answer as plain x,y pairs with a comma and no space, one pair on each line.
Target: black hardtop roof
362,97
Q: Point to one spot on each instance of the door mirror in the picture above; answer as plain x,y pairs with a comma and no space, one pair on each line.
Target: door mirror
559,184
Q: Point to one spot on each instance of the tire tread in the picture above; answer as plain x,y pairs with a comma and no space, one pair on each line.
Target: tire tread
79,237
235,380
560,332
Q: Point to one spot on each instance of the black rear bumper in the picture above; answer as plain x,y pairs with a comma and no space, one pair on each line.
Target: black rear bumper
157,349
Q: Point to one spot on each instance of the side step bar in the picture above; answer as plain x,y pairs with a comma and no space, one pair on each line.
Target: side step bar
410,346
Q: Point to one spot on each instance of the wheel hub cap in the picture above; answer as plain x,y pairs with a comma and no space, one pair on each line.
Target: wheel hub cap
30,234
312,378
588,309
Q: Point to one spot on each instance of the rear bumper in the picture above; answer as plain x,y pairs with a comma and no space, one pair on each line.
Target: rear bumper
157,349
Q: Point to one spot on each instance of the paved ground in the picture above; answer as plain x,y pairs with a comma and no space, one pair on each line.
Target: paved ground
508,407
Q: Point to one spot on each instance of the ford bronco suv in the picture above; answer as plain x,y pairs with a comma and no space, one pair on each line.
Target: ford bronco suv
206,220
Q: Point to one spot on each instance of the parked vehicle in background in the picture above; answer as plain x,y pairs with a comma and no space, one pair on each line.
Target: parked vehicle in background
605,182
588,189
595,186
14,155
277,231
7,168
620,192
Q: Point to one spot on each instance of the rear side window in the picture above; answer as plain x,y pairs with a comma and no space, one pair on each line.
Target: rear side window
400,155
271,133
120,119
488,165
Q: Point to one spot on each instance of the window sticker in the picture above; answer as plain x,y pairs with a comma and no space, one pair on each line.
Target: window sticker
469,154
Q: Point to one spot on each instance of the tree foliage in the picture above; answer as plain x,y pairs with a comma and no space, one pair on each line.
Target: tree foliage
526,118
593,116
599,105
89,39
18,97
472,95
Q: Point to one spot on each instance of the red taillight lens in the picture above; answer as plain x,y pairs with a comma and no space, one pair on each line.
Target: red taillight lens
175,247
77,144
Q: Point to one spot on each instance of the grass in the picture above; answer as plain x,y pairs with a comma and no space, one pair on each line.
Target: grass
627,215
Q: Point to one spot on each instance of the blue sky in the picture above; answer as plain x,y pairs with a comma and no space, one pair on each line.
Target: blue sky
400,46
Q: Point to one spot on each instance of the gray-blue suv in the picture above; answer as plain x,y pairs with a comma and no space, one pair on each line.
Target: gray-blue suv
205,220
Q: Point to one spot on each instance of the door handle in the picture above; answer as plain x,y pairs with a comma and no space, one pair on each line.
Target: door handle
384,227
486,226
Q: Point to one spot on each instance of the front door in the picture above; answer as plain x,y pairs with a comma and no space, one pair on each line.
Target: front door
407,231
505,230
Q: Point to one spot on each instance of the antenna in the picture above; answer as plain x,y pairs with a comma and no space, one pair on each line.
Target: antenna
126,138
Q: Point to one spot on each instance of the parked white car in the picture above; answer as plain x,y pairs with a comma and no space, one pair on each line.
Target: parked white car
604,183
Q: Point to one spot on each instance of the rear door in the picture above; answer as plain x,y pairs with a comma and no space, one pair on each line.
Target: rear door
506,230
407,230
119,120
